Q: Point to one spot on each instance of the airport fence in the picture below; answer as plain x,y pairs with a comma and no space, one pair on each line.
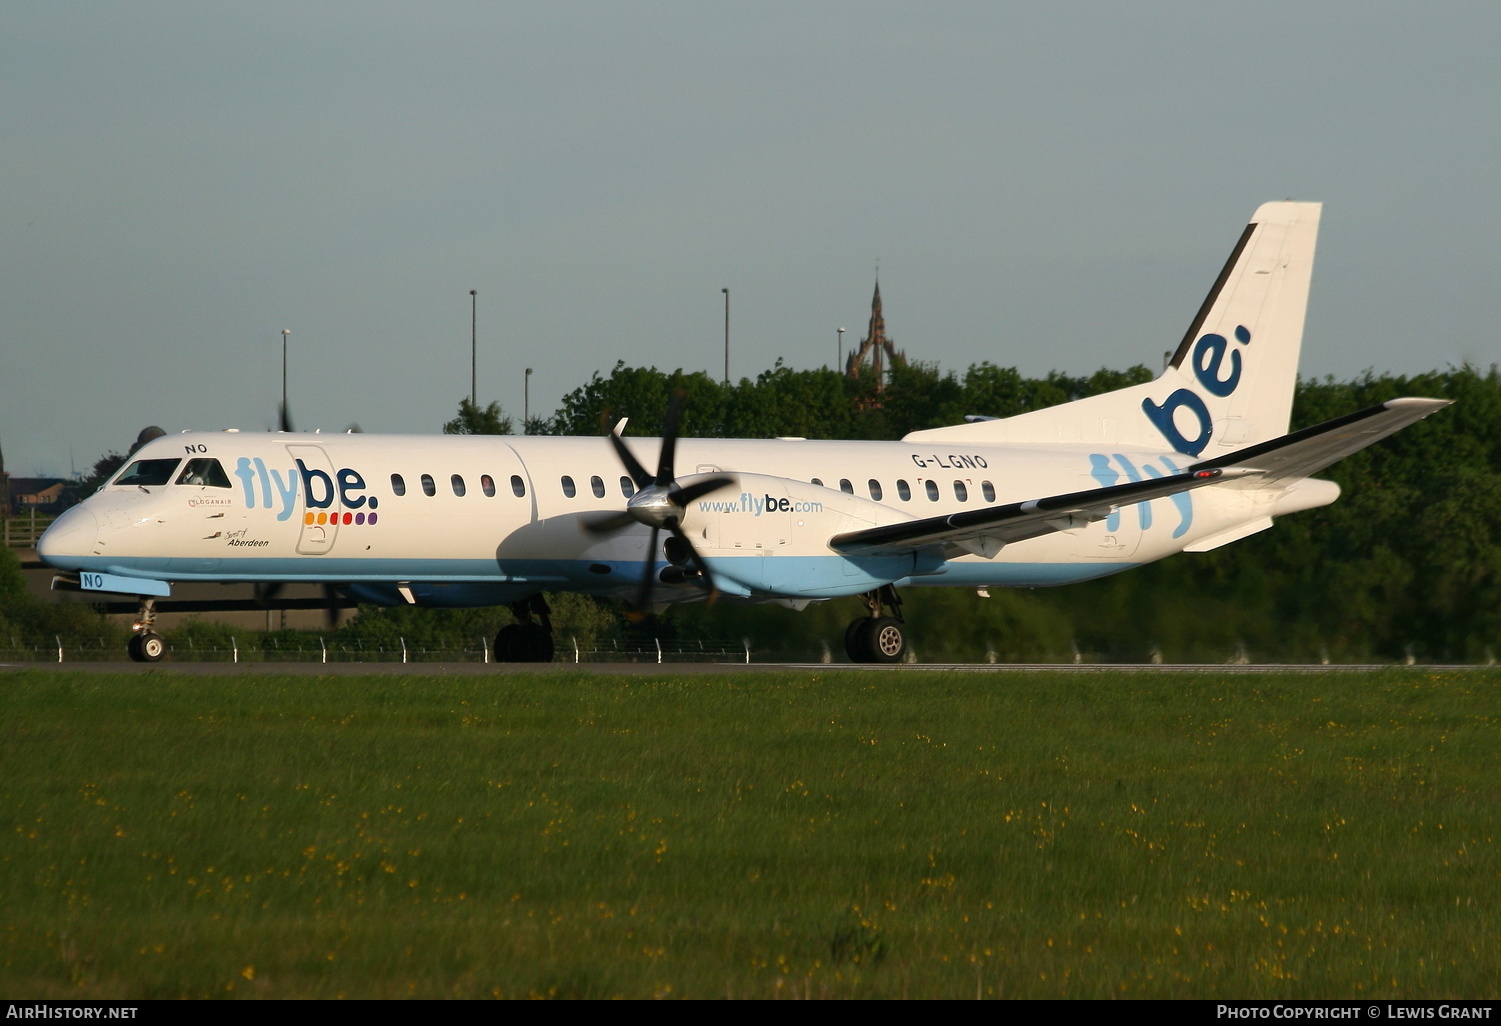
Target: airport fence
568,650
23,532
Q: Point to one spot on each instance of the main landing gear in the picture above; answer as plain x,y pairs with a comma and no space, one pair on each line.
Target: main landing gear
146,646
877,638
527,640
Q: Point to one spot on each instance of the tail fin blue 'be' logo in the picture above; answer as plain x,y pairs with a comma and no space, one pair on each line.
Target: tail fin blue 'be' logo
1208,358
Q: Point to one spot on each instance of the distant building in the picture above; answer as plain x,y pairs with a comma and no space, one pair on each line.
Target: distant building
44,496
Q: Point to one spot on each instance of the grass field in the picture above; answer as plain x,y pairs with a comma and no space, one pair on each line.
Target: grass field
781,834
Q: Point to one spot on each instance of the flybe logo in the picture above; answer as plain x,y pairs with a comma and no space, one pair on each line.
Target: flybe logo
267,487
1209,367
1104,470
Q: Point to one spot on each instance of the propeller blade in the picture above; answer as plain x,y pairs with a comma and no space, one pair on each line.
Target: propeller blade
686,494
333,601
284,416
697,561
669,439
633,466
606,523
267,591
643,600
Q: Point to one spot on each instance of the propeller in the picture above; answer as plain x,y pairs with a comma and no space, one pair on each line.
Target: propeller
658,503
267,593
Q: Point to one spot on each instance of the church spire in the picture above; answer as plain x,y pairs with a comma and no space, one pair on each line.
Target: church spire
876,346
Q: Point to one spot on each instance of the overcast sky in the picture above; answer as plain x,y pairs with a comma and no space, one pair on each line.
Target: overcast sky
1045,186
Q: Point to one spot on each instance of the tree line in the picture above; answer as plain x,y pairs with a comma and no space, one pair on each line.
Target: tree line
1407,561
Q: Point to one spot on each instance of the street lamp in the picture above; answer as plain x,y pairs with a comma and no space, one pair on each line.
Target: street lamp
526,402
839,359
726,335
286,418
473,358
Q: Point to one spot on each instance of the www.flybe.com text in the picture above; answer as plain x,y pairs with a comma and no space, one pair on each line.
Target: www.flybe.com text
755,505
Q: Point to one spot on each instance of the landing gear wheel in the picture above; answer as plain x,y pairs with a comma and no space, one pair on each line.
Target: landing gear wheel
506,644
884,641
523,643
147,648
538,643
854,640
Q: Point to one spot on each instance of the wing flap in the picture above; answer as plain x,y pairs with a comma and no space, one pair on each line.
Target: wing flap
988,529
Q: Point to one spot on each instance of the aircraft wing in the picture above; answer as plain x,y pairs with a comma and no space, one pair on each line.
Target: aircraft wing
984,531
1312,449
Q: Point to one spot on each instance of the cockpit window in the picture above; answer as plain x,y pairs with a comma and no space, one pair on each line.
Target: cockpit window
148,472
204,472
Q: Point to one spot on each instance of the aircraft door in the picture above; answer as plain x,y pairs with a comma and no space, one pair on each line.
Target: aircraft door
320,510
1118,535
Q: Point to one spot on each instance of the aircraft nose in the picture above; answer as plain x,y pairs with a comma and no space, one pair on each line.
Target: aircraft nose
70,538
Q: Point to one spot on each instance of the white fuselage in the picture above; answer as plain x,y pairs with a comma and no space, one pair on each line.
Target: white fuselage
477,520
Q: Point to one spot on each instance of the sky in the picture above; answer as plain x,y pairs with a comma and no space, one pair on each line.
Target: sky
1044,186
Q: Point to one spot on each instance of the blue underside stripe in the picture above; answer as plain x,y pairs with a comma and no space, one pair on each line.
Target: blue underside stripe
812,576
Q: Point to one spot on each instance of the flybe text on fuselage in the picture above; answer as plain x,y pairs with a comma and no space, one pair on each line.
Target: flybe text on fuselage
266,487
1207,360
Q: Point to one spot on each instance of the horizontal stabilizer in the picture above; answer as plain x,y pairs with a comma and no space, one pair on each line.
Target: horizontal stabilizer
1312,449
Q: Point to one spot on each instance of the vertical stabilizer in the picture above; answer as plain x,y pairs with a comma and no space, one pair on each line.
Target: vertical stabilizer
1229,383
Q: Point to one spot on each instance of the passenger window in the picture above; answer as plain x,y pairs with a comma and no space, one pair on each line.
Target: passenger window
518,486
988,490
458,485
428,487
875,489
398,485
204,472
960,492
148,472
487,485
904,490
627,487
597,486
931,487
568,488
846,487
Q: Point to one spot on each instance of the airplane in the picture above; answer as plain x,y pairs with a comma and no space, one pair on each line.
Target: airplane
1195,459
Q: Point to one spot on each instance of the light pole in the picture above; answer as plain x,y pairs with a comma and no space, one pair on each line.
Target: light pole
526,402
473,358
839,359
285,416
726,335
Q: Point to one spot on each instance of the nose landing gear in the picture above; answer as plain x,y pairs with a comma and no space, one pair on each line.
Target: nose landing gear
146,646
876,638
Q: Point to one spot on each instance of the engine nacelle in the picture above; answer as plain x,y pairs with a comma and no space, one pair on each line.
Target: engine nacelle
773,536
